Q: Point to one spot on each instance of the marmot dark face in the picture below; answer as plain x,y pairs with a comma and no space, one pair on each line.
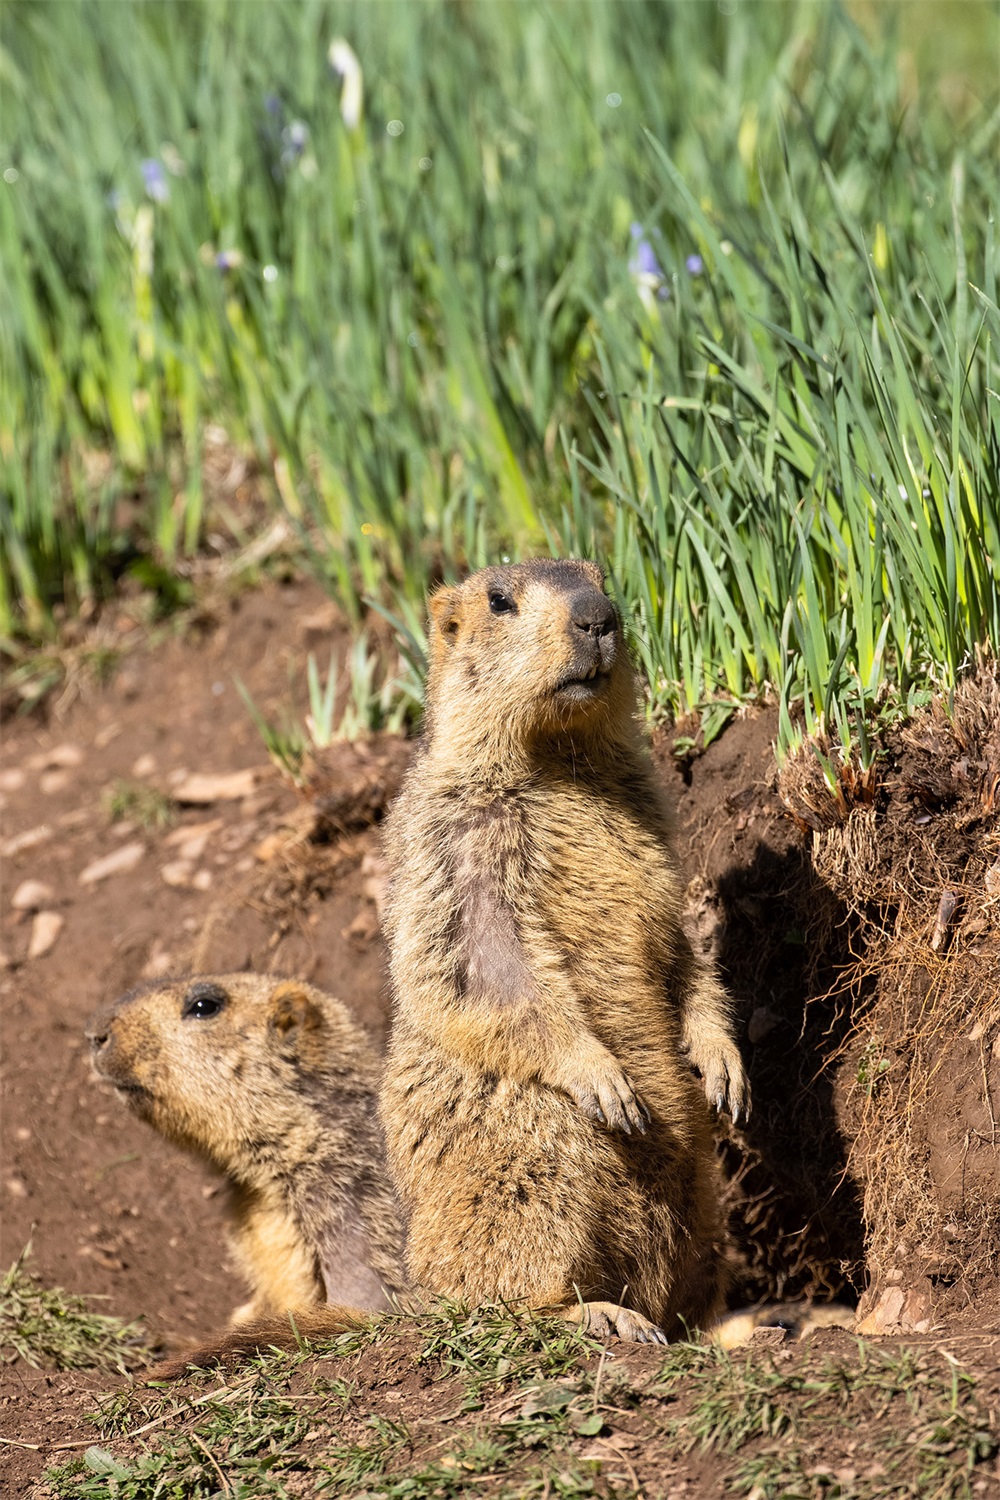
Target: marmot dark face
195,1057
536,647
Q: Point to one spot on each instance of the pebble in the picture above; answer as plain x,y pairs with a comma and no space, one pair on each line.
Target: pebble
31,894
12,780
202,789
16,1187
65,757
178,873
45,930
116,863
189,831
145,765
28,840
194,848
50,783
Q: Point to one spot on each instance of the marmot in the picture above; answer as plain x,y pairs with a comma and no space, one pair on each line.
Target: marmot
548,1140
274,1084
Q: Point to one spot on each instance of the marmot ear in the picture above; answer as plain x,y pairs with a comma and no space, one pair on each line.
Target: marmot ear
293,1012
445,611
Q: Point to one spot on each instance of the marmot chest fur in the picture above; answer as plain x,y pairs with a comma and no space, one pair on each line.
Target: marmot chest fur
544,1129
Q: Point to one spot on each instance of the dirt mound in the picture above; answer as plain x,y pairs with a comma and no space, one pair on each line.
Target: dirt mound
862,947
919,1081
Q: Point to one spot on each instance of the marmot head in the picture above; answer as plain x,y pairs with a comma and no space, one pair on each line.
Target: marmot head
534,650
221,1062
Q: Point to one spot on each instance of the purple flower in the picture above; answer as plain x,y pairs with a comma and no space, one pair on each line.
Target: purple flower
294,140
694,265
228,260
643,261
273,104
155,179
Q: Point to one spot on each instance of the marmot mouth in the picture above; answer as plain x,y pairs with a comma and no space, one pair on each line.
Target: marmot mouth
579,686
129,1093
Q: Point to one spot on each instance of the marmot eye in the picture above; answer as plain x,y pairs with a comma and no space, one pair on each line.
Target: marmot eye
203,1001
501,603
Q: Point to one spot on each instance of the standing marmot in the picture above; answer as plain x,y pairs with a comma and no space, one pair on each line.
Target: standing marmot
274,1084
546,1135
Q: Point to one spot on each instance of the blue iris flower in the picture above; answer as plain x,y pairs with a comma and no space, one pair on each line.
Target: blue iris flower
155,179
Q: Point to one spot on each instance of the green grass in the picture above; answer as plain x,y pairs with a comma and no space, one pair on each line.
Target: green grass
927,1430
50,1328
512,1404
135,802
787,449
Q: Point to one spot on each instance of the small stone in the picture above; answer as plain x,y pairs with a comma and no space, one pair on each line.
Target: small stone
22,1133
12,780
192,837
992,881
45,930
199,790
885,1315
28,840
118,863
177,873
51,783
31,894
202,880
144,766
62,757
768,1338
103,737
16,1187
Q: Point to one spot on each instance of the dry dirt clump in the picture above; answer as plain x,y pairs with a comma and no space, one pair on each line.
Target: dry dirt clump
917,871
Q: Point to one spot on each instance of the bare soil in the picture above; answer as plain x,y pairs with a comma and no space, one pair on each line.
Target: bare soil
288,882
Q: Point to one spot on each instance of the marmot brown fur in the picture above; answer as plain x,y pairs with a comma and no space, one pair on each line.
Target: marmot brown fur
545,1132
274,1084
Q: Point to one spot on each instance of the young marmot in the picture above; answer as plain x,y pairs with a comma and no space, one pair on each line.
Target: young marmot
548,1140
274,1084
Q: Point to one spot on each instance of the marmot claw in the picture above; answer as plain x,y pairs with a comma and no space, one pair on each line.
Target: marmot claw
612,1102
725,1081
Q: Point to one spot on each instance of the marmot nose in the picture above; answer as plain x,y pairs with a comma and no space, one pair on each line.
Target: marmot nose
593,613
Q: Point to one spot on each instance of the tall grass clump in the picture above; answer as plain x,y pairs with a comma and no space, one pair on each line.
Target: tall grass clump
712,296
801,434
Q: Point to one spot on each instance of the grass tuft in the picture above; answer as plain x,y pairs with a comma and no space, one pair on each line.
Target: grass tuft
50,1328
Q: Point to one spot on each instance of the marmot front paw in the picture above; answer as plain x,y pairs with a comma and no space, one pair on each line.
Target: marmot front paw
723,1076
609,1097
